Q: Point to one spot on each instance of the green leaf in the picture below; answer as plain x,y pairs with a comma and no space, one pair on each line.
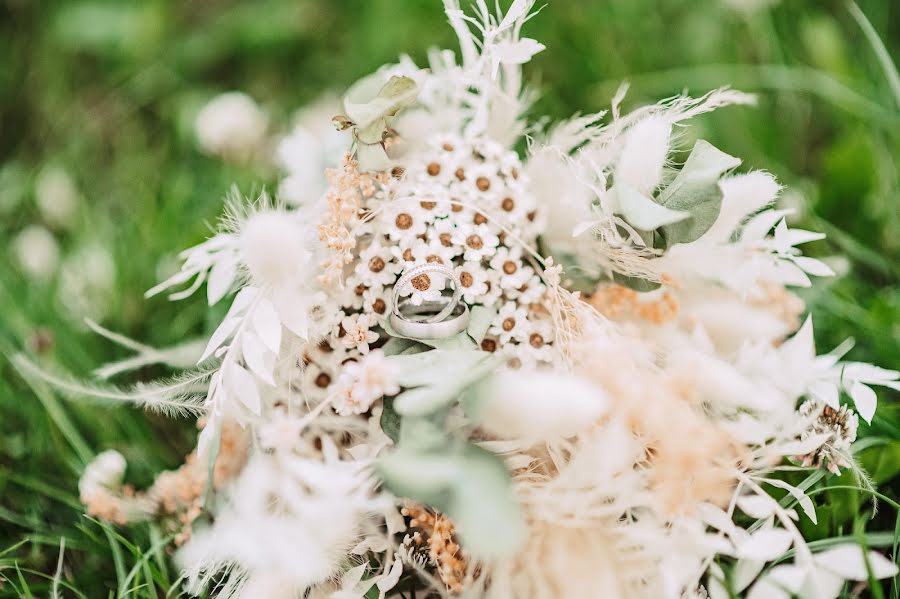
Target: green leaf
636,283
424,433
371,99
479,322
484,508
397,345
696,190
425,477
467,483
431,367
420,401
390,420
460,341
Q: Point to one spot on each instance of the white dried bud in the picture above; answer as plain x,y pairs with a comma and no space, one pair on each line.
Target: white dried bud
36,252
56,197
106,471
232,126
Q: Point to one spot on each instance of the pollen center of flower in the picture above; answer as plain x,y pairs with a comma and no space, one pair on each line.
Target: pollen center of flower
474,242
446,239
483,183
479,218
447,147
434,169
489,345
408,255
379,306
460,174
509,324
428,205
421,282
508,204
360,289
509,267
466,279
376,264
323,380
403,221
536,340
434,258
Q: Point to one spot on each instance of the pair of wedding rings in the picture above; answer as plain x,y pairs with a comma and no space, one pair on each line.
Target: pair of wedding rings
439,319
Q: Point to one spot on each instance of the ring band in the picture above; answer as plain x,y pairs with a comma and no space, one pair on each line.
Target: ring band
425,269
423,329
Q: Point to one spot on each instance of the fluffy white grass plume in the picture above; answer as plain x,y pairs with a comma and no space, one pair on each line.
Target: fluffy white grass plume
644,153
272,246
287,525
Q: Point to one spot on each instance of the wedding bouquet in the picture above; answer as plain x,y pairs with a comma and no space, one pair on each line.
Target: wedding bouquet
497,358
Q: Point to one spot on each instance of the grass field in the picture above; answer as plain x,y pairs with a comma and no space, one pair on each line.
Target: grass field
105,91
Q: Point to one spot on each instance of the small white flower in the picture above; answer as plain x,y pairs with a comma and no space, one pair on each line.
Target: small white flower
473,280
425,287
232,126
530,292
352,294
317,381
281,433
512,271
403,220
441,230
377,302
511,322
376,265
479,241
365,382
357,333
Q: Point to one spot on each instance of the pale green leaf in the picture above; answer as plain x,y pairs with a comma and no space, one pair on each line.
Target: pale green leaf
371,99
696,190
480,322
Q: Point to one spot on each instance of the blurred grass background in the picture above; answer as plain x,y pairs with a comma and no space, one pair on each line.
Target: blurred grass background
97,98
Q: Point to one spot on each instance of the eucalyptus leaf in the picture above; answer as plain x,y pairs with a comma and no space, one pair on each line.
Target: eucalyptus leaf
462,341
429,368
479,322
636,283
372,157
397,345
425,477
470,485
390,420
372,99
484,508
424,433
696,190
420,401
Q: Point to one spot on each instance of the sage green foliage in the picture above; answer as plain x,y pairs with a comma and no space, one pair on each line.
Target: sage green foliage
438,467
696,191
108,89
